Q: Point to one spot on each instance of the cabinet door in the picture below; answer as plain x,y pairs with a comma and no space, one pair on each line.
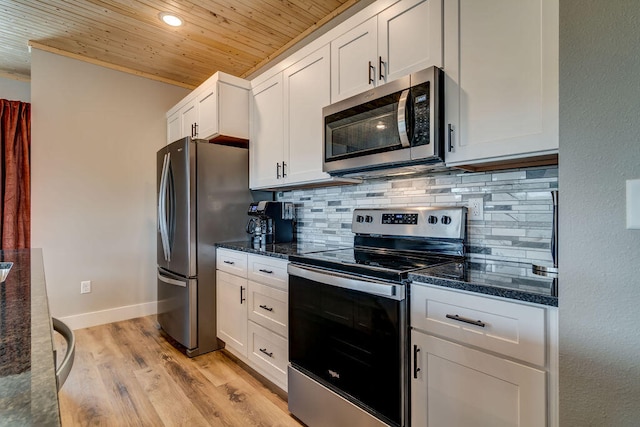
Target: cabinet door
231,293
207,107
453,385
409,38
307,90
501,86
354,66
174,127
267,134
189,114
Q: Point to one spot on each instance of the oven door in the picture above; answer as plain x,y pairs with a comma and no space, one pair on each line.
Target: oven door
348,334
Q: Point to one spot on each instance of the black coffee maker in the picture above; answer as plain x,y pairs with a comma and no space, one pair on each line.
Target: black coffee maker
270,222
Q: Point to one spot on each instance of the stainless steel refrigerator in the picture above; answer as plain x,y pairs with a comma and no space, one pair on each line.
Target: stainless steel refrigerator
203,196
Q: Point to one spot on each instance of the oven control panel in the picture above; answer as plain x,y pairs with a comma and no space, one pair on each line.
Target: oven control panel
400,218
438,222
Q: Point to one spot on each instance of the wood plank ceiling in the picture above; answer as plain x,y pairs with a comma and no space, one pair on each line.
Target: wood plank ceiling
233,36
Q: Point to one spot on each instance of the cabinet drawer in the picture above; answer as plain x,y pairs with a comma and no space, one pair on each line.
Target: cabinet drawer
269,352
268,270
507,328
234,262
268,307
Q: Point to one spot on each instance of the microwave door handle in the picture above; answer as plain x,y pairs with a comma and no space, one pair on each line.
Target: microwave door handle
402,119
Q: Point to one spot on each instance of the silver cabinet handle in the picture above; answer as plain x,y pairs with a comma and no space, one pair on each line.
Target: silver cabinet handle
264,307
465,320
380,63
228,262
403,132
415,361
278,171
284,172
450,139
266,271
264,350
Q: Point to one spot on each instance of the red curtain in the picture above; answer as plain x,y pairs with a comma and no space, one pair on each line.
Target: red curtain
15,177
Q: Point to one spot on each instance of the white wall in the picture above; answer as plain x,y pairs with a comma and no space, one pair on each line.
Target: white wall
95,133
599,258
15,90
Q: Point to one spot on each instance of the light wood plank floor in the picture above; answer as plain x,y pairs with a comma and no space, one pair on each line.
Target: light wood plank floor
127,374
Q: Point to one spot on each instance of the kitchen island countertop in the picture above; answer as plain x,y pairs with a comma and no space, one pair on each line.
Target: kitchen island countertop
28,394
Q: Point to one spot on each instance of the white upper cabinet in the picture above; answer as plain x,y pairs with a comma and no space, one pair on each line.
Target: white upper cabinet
266,145
307,91
217,109
188,116
409,38
354,61
403,38
286,146
174,127
501,84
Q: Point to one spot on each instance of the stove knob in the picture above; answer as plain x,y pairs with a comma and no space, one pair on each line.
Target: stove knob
445,219
359,218
432,219
368,218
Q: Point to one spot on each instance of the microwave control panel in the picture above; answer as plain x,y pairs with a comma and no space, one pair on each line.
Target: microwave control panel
421,114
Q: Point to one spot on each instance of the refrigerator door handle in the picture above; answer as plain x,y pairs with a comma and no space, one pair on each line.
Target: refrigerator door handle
171,281
160,203
162,208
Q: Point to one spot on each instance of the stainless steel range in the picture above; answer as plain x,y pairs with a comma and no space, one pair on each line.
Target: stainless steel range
348,333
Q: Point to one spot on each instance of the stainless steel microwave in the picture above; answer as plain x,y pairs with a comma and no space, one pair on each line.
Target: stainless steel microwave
398,124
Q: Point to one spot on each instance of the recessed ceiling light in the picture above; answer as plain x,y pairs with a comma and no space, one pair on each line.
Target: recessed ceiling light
170,19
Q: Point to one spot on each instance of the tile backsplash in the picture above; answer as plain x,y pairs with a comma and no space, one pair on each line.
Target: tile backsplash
518,210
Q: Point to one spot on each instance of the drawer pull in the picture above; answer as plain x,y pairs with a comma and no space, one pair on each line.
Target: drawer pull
266,271
264,307
242,298
415,361
466,320
228,262
264,350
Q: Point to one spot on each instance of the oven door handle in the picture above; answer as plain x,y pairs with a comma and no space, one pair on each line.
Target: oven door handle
347,281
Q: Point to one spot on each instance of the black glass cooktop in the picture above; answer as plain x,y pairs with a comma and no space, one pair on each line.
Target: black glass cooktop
379,263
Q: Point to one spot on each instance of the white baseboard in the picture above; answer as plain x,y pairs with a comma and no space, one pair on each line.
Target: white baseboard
86,320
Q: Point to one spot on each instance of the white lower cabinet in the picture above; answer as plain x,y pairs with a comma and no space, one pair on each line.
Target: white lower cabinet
453,385
480,361
252,311
231,311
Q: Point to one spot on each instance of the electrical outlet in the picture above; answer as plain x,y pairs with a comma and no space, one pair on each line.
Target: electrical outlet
85,286
476,209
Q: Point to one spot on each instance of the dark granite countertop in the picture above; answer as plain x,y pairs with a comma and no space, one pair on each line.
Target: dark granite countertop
28,394
278,250
505,279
